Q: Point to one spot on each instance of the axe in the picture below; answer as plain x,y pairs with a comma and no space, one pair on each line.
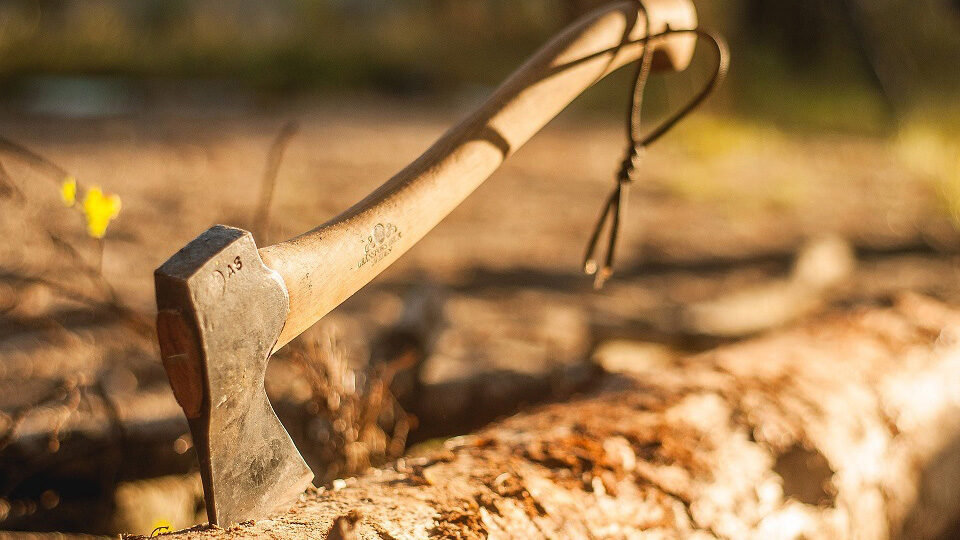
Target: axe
224,306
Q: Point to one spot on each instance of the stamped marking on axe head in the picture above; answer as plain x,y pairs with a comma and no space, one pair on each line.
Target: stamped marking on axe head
220,311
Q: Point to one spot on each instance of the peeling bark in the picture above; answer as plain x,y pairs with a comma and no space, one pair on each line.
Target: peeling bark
849,427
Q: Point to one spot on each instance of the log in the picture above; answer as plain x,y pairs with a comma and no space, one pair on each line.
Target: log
847,427
100,453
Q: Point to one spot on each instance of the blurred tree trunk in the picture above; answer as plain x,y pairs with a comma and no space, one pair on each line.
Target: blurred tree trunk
573,9
845,428
795,26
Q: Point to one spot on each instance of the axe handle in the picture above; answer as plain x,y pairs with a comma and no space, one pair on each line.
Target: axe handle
323,267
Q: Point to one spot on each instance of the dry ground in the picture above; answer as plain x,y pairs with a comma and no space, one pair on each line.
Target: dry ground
733,229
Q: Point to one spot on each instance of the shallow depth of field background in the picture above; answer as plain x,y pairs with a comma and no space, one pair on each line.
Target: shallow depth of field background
825,174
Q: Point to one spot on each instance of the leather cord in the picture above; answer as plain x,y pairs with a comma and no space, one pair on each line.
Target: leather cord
615,207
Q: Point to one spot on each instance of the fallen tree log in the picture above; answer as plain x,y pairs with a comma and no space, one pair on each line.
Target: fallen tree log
849,427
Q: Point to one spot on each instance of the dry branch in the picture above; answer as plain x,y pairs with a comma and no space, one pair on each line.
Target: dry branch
261,221
843,428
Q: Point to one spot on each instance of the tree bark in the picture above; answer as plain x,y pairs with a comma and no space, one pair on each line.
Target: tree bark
847,427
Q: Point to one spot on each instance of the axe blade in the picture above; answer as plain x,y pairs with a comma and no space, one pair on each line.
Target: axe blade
220,312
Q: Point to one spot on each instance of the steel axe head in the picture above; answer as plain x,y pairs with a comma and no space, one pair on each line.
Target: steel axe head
220,312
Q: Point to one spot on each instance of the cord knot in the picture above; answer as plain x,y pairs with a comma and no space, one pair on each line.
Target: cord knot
615,206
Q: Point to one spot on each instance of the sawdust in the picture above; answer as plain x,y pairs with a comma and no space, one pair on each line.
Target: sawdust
345,527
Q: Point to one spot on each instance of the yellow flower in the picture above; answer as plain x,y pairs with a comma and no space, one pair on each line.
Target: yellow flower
160,526
99,210
68,191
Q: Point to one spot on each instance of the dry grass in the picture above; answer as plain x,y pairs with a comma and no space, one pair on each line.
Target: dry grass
356,422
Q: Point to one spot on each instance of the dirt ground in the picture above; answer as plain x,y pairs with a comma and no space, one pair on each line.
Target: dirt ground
733,229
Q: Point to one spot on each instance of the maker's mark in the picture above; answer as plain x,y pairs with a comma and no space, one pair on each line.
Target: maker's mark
380,243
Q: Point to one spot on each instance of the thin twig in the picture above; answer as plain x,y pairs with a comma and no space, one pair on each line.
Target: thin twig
33,159
135,320
101,247
261,222
8,188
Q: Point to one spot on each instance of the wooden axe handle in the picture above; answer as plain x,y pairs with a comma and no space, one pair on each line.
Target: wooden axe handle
323,267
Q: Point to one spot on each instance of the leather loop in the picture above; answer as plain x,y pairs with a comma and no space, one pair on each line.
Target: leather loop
615,207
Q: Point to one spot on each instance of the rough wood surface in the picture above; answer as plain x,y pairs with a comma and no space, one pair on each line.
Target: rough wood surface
844,428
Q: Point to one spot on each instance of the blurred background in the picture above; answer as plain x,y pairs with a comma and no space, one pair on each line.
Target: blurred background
829,63
824,174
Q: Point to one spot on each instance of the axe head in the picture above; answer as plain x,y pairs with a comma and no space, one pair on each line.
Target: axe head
220,312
